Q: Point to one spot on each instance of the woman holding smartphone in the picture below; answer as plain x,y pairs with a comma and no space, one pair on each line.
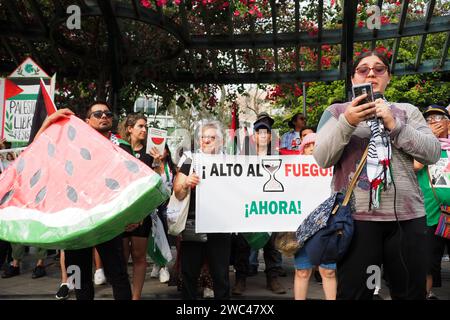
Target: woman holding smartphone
389,214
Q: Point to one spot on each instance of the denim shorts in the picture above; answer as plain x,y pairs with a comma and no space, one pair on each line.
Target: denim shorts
302,261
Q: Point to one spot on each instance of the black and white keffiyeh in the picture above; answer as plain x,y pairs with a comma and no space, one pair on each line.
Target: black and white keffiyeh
378,161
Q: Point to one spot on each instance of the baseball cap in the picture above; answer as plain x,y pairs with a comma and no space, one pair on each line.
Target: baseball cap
261,125
434,108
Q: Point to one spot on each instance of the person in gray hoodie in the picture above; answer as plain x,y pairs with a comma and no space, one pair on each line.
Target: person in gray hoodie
388,206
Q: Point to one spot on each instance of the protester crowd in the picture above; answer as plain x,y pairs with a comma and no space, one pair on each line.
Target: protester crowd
397,201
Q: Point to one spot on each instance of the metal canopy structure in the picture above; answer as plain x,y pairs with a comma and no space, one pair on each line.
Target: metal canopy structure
122,41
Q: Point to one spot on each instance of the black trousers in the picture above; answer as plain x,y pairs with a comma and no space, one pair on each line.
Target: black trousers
217,252
401,251
5,252
272,257
435,250
114,265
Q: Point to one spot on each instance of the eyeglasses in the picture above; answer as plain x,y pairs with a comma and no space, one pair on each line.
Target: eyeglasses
212,138
378,70
98,114
435,117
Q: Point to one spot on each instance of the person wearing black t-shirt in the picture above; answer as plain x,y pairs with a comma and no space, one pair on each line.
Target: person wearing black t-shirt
133,129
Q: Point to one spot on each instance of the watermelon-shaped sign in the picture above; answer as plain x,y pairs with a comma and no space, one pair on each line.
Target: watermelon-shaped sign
72,188
157,140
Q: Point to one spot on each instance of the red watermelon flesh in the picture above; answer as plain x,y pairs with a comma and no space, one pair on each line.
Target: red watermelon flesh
157,140
73,188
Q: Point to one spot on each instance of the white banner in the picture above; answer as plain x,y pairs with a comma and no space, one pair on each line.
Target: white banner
256,194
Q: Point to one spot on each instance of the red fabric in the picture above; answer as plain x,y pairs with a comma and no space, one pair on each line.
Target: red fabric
49,105
287,152
11,89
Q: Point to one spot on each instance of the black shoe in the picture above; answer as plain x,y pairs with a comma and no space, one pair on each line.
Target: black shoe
63,292
38,272
10,271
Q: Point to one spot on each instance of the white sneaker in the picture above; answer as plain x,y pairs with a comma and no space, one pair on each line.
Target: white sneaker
208,293
99,277
155,271
376,291
445,258
164,275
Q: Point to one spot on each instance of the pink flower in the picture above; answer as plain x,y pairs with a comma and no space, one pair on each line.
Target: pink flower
237,13
177,2
361,24
325,62
146,4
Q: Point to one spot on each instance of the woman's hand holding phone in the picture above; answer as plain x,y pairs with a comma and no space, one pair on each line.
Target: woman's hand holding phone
356,113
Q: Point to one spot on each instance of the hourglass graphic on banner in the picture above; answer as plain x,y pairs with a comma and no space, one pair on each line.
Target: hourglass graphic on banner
272,166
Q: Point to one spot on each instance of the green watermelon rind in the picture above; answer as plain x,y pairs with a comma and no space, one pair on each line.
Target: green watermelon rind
96,228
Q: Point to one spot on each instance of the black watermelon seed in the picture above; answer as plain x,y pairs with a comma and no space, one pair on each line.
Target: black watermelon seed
69,167
51,149
71,133
132,166
41,194
72,194
20,166
85,154
7,196
112,184
35,178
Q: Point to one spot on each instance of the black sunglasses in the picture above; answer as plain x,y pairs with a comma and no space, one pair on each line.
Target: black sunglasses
99,114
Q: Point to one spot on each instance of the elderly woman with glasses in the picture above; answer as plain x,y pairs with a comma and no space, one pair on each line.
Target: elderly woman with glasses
388,207
216,248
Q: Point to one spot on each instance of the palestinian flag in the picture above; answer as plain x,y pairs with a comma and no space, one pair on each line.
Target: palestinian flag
158,247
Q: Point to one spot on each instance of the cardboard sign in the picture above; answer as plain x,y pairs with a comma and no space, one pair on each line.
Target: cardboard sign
18,110
156,139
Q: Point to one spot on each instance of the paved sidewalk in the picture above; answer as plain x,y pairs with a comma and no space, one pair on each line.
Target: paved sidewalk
24,288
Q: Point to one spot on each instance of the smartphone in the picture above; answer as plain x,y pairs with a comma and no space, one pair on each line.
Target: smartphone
361,89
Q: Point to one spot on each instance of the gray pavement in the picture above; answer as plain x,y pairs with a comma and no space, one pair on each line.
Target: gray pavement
22,287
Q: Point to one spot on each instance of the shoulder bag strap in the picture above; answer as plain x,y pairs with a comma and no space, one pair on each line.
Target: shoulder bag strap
355,177
432,188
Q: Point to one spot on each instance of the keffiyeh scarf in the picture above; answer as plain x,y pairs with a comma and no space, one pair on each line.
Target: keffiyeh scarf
378,161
